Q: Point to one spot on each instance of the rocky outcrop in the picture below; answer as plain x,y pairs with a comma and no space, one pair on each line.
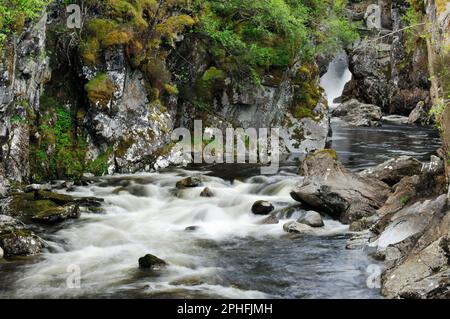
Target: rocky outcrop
330,188
420,115
358,114
388,71
393,170
151,262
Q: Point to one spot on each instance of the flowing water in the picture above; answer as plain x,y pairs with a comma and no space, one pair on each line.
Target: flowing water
229,255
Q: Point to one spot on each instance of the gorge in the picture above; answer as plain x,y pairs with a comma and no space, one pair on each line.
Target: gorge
91,180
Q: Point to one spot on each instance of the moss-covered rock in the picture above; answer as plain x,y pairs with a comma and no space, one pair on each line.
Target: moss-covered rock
57,214
191,181
16,240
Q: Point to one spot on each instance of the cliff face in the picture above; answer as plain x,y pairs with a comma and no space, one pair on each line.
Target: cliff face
105,98
389,64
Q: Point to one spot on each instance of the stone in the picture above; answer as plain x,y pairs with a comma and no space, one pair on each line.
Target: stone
57,214
191,228
1,253
434,167
363,223
151,262
189,182
262,207
311,218
420,115
206,192
373,17
297,228
34,187
330,188
393,170
358,241
395,119
16,240
270,220
356,113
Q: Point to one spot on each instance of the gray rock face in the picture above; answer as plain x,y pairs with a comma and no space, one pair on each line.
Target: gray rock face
420,115
358,114
16,240
373,17
329,187
393,170
311,218
414,241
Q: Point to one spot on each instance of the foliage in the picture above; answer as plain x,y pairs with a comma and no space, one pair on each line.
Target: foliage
100,90
15,13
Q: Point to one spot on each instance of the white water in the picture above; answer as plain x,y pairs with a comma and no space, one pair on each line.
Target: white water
106,247
335,79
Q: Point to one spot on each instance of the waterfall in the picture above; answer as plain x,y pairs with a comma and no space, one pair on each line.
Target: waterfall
333,82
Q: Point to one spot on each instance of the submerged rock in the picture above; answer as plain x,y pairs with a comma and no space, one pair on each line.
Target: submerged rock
187,182
151,262
206,192
57,214
311,218
393,170
329,187
262,207
356,113
270,220
191,228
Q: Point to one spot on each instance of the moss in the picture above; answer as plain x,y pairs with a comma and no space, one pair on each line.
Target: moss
123,146
172,90
327,152
100,90
26,205
116,37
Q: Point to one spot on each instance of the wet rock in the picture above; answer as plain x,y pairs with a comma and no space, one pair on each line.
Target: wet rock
292,211
311,218
270,220
1,253
188,182
262,207
434,167
297,228
420,115
16,240
151,262
330,188
57,214
206,192
59,199
191,228
356,113
393,170
358,241
35,187
395,119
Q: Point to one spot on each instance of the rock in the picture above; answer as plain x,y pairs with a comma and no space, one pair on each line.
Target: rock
1,253
16,240
393,170
363,223
330,188
270,220
358,241
395,119
311,218
35,187
57,214
298,228
206,192
59,199
151,262
188,182
292,211
420,115
356,113
191,228
434,167
373,17
262,207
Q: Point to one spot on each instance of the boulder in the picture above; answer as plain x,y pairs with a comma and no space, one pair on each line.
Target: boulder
189,182
206,192
420,115
297,228
356,113
57,214
270,220
330,188
262,207
393,170
16,240
151,262
191,228
311,218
